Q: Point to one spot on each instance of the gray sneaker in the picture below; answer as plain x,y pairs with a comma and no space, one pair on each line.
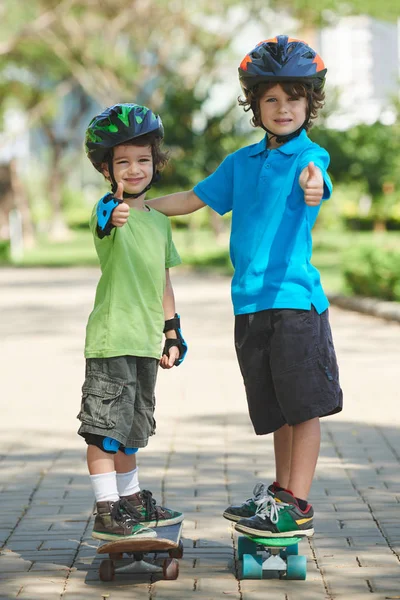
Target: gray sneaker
116,521
249,507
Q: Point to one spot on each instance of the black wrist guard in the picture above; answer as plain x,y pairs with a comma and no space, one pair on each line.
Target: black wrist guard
174,324
104,211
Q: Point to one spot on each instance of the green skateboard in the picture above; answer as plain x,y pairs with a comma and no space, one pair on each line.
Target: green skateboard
263,556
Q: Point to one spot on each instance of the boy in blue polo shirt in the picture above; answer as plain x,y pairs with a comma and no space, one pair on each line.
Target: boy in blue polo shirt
282,334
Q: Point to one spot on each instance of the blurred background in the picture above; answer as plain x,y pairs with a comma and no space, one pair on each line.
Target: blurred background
61,62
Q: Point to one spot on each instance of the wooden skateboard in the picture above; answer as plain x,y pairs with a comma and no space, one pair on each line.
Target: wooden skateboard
168,540
263,556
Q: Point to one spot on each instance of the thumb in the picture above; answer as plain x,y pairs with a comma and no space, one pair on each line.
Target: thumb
312,170
171,360
120,191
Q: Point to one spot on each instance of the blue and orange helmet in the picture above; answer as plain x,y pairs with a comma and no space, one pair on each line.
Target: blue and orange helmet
282,59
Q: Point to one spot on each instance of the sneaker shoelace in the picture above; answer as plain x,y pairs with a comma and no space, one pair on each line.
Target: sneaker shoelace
124,511
258,493
149,504
268,508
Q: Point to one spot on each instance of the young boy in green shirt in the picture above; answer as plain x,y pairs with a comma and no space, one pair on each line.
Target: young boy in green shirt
134,305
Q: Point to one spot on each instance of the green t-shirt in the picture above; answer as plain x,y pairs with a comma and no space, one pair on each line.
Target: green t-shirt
128,315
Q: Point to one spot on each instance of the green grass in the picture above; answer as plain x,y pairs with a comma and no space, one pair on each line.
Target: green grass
329,253
77,251
200,250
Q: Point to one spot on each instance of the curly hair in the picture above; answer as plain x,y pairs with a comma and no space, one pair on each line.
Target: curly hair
315,99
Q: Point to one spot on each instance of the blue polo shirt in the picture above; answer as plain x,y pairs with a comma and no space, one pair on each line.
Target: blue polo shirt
270,245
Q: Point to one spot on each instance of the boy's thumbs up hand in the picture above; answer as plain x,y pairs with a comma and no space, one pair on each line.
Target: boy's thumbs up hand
120,213
312,184
120,191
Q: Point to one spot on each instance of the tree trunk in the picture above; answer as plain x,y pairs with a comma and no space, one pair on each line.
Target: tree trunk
58,230
379,225
21,203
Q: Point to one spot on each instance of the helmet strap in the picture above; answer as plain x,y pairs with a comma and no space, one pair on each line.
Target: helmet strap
282,139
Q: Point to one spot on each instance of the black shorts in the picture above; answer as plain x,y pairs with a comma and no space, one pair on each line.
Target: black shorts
289,367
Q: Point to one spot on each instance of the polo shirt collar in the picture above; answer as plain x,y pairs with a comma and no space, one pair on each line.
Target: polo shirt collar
294,146
260,147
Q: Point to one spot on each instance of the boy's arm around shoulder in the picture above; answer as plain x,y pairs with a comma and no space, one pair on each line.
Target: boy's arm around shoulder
180,203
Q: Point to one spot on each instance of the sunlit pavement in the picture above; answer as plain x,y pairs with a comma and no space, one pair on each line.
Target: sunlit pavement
203,457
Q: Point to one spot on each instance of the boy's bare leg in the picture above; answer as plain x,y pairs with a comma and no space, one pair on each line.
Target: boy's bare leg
103,462
125,463
305,450
283,454
99,461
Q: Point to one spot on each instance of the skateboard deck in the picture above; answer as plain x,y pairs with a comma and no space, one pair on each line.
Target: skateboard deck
267,556
168,540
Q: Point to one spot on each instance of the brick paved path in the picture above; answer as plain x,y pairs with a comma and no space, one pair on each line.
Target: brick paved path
203,457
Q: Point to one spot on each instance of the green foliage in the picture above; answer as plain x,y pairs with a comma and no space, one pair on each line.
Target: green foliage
216,260
58,57
373,271
195,152
367,157
4,251
76,209
317,13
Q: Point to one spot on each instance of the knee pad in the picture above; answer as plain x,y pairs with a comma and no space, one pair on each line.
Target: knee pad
107,444
129,451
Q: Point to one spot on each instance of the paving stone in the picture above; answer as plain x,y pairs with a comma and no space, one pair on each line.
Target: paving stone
59,544
13,565
204,457
21,546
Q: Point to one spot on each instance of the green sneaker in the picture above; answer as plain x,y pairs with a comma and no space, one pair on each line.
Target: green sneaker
113,522
249,507
279,516
149,513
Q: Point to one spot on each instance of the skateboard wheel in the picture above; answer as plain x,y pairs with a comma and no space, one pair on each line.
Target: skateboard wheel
176,552
245,546
296,567
252,566
107,570
116,555
289,551
170,568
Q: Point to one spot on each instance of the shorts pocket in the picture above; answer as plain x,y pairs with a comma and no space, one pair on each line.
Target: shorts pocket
100,396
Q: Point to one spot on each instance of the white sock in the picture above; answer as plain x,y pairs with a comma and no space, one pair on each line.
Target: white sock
105,487
128,483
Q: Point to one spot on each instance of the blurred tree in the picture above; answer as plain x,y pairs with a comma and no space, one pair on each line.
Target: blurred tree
370,154
109,51
311,13
197,150
163,53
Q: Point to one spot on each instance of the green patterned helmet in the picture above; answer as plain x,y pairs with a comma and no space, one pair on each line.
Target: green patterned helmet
116,125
